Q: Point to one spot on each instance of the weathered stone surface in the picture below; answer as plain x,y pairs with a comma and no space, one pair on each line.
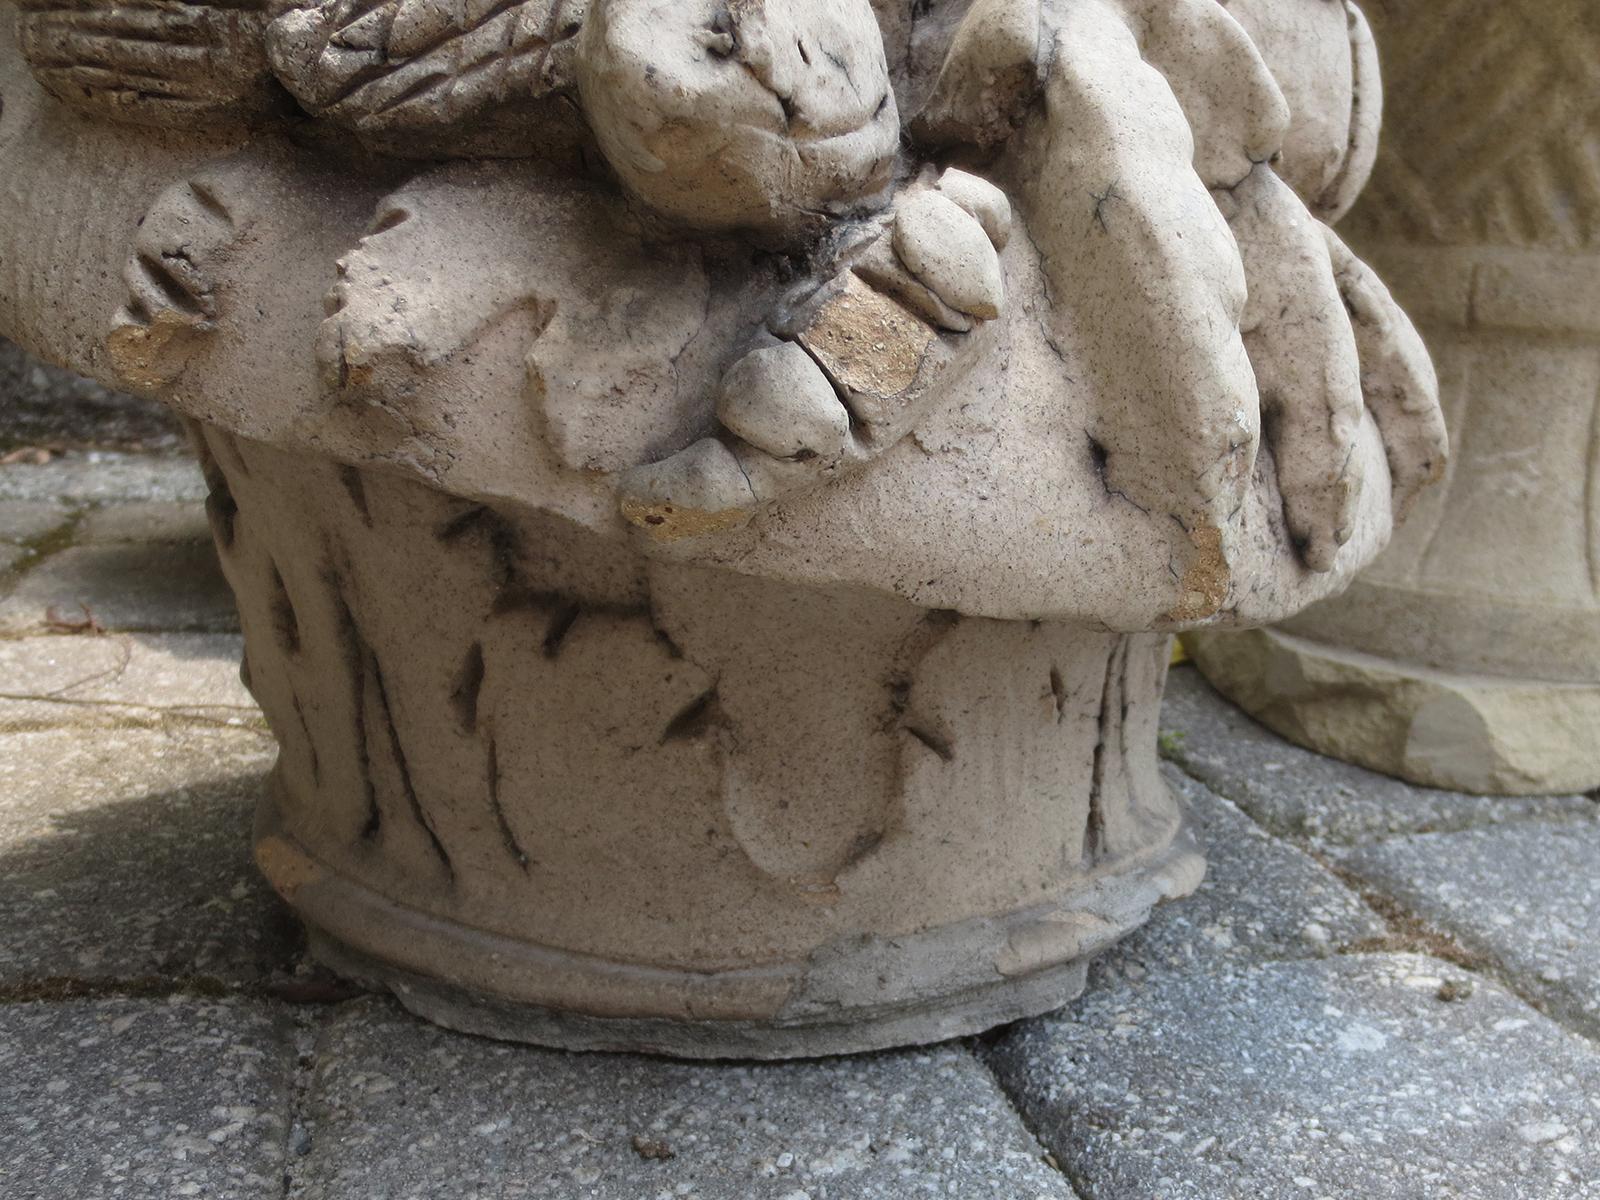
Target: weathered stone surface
784,379
10,556
1347,1076
983,90
155,1099
1299,793
399,1109
406,91
135,678
102,477
28,520
125,855
1261,899
941,245
172,586
1526,896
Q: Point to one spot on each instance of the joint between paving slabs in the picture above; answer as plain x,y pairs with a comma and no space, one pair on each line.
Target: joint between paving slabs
1170,749
25,635
43,546
39,550
135,716
60,989
298,1133
1408,932
978,1047
1411,933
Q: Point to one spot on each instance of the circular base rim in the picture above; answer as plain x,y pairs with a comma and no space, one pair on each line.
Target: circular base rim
859,994
466,1011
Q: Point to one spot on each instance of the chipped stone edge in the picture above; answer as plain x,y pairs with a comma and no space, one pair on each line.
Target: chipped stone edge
1327,699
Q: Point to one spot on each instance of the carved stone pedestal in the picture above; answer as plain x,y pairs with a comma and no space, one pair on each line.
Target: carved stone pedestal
545,789
709,487
1468,655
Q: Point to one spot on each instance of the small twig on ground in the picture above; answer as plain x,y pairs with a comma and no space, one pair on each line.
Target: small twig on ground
652,1148
33,456
88,623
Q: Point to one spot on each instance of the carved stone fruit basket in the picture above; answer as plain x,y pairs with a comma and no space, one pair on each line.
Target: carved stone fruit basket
709,485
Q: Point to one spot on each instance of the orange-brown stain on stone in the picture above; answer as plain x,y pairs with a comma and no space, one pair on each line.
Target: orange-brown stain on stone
867,342
286,866
1205,581
669,522
150,356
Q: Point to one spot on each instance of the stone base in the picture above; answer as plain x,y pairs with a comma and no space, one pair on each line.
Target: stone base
852,1033
1471,733
867,993
687,810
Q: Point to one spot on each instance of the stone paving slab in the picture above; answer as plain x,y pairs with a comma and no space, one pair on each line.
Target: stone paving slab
28,520
1261,898
105,477
125,856
176,586
1298,793
402,1110
122,679
145,521
1526,897
150,1099
1325,1078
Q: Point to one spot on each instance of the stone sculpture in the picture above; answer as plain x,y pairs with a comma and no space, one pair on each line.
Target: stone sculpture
1468,655
709,485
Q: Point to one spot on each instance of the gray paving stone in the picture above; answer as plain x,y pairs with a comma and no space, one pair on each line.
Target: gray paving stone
1261,898
125,855
145,521
400,1110
122,679
1305,1080
1526,897
126,586
105,477
143,1099
1297,793
29,520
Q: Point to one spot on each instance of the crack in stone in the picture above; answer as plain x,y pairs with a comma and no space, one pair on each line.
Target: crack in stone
398,757
502,820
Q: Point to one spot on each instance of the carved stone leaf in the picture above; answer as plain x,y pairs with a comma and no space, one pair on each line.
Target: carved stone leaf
158,62
386,66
